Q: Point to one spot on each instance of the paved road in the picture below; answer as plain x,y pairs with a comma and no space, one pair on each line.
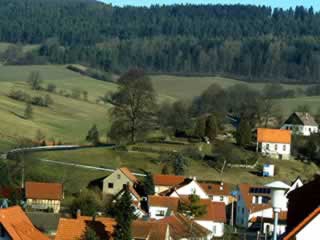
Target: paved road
85,166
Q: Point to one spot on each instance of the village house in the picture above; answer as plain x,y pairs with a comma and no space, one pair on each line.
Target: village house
111,185
42,196
164,182
183,228
275,143
74,228
254,207
160,207
217,191
187,187
150,230
135,198
15,225
301,123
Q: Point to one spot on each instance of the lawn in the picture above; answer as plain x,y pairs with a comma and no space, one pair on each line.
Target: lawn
288,105
179,87
101,157
182,87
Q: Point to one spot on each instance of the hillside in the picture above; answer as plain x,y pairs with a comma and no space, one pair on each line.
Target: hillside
67,120
77,178
255,43
186,88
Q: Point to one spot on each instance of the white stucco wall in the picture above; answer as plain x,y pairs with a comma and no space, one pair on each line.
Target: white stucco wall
311,231
218,198
216,228
154,211
189,189
275,149
301,129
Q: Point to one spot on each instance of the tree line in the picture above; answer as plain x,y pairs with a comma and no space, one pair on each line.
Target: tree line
249,42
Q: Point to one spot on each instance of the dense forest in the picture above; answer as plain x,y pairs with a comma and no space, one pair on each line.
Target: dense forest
249,42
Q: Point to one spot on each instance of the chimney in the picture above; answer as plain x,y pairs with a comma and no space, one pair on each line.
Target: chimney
78,213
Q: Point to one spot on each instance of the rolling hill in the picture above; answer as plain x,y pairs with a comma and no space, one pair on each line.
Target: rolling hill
67,120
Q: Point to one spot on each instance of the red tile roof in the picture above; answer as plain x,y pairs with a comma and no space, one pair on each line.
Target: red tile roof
215,211
129,174
71,229
291,235
151,230
48,191
162,201
216,188
167,180
244,189
180,227
18,225
274,135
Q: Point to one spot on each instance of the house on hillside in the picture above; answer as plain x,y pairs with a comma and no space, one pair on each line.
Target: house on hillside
217,191
308,228
74,228
164,182
41,196
113,184
275,143
254,207
301,123
16,225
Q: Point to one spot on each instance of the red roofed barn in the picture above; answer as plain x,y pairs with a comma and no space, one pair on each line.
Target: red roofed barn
44,196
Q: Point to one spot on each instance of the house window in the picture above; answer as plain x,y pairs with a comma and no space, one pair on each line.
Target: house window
284,147
110,185
214,230
160,213
221,198
276,147
119,176
268,146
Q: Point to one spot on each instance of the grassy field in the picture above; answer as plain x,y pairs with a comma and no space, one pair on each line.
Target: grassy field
101,157
67,119
187,88
182,87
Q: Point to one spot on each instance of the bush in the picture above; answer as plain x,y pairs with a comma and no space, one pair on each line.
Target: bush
192,152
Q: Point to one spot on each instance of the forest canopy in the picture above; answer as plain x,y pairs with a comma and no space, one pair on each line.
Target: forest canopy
249,42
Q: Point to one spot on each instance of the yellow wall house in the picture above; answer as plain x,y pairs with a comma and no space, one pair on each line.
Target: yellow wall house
114,183
43,196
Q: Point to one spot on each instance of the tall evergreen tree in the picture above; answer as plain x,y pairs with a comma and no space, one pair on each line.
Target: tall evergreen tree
243,134
149,184
124,215
28,112
93,135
